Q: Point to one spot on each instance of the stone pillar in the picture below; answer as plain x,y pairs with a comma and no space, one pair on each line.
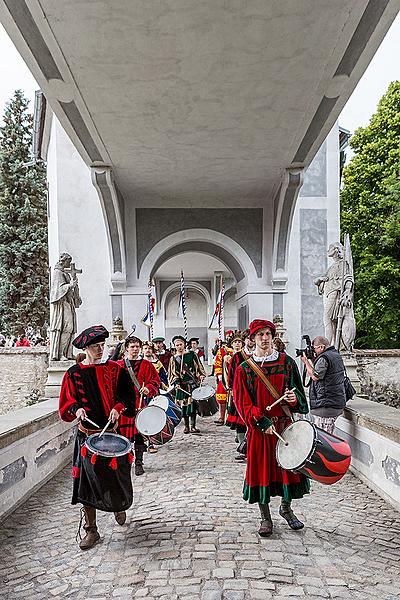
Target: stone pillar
55,374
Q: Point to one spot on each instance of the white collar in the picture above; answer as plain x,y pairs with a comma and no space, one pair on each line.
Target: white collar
269,358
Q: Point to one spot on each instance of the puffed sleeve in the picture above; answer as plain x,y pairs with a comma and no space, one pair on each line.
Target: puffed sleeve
68,403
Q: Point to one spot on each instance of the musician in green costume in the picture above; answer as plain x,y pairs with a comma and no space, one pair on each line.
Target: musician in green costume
185,373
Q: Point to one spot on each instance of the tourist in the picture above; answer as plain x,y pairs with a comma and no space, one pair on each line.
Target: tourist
85,394
185,373
22,341
327,393
264,477
145,384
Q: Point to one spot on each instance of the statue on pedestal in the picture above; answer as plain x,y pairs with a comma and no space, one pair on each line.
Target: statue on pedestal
64,300
337,289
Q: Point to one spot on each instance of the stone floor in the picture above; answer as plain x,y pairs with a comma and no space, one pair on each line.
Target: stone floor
189,535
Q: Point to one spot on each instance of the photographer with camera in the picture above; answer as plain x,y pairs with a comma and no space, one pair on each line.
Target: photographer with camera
327,390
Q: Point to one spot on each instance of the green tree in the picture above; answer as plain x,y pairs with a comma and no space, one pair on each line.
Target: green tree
370,213
23,224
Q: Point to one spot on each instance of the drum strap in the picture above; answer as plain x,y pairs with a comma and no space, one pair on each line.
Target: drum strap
270,387
132,374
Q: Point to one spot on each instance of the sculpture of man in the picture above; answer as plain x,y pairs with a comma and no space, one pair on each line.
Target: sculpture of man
64,299
337,289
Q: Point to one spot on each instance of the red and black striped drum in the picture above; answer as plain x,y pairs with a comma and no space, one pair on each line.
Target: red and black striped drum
313,452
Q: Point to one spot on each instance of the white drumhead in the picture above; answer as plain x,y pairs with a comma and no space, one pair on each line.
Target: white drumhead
300,437
150,420
161,401
203,392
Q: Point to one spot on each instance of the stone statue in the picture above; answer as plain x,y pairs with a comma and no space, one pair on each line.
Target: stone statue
64,300
337,289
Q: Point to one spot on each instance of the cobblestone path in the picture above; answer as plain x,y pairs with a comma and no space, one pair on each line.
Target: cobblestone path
189,535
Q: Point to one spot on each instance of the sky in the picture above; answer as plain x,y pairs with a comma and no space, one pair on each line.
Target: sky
384,68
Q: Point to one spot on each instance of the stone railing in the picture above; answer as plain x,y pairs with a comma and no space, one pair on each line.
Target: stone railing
379,373
23,372
373,432
34,446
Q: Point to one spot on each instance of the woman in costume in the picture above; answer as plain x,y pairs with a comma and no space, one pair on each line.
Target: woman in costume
185,373
258,382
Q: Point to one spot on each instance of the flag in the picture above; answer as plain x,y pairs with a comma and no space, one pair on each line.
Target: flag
216,316
150,306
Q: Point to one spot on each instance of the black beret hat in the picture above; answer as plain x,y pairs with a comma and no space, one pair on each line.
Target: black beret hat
91,335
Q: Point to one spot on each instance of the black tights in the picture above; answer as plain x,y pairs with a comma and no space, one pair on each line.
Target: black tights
192,420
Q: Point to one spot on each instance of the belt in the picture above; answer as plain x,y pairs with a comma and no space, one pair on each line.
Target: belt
91,431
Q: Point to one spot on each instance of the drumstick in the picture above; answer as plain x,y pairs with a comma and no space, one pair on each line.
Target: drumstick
92,422
279,436
178,387
105,427
279,399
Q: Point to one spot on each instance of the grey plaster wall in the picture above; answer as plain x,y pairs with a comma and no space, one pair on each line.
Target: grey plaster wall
316,175
313,262
242,225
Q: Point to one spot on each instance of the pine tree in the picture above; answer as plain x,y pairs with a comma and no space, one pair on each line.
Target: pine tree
370,213
23,224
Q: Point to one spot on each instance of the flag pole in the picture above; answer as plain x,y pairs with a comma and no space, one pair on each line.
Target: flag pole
183,305
151,315
221,313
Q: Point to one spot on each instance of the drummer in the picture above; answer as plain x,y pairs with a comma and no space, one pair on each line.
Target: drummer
84,394
193,345
185,373
233,420
161,352
258,382
145,383
148,353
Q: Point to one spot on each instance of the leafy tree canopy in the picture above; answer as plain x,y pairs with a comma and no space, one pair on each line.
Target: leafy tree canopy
23,224
370,213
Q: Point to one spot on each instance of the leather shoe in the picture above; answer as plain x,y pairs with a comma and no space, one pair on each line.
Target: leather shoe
120,517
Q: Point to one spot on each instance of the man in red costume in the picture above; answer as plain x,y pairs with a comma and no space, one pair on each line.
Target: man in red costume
163,355
145,384
99,392
264,477
221,395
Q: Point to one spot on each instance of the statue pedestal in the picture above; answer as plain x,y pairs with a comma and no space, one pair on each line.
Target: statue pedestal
350,363
55,373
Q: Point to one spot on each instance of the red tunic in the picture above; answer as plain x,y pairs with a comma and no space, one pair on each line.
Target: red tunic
146,375
264,477
233,417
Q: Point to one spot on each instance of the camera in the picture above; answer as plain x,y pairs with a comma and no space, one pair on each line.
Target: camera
308,351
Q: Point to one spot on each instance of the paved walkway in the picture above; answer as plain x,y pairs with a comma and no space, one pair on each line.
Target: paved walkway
190,536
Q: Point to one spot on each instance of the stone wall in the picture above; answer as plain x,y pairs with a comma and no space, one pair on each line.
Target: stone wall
22,371
379,373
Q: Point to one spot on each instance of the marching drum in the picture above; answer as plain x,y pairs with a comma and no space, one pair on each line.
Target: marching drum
313,452
150,420
204,396
171,409
105,480
163,436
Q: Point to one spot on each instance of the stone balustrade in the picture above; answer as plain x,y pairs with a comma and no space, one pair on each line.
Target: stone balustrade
34,446
373,432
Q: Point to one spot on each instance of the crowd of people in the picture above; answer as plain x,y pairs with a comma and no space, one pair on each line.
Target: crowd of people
24,339
258,390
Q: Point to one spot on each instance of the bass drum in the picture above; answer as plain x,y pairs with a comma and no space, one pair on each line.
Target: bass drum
313,452
204,397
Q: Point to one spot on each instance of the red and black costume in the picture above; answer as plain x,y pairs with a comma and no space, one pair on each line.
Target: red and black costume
234,420
98,388
147,376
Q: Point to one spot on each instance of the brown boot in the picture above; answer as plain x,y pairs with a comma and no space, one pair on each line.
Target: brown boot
120,517
92,535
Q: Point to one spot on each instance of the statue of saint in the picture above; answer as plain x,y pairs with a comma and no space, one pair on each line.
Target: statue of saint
337,289
64,300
